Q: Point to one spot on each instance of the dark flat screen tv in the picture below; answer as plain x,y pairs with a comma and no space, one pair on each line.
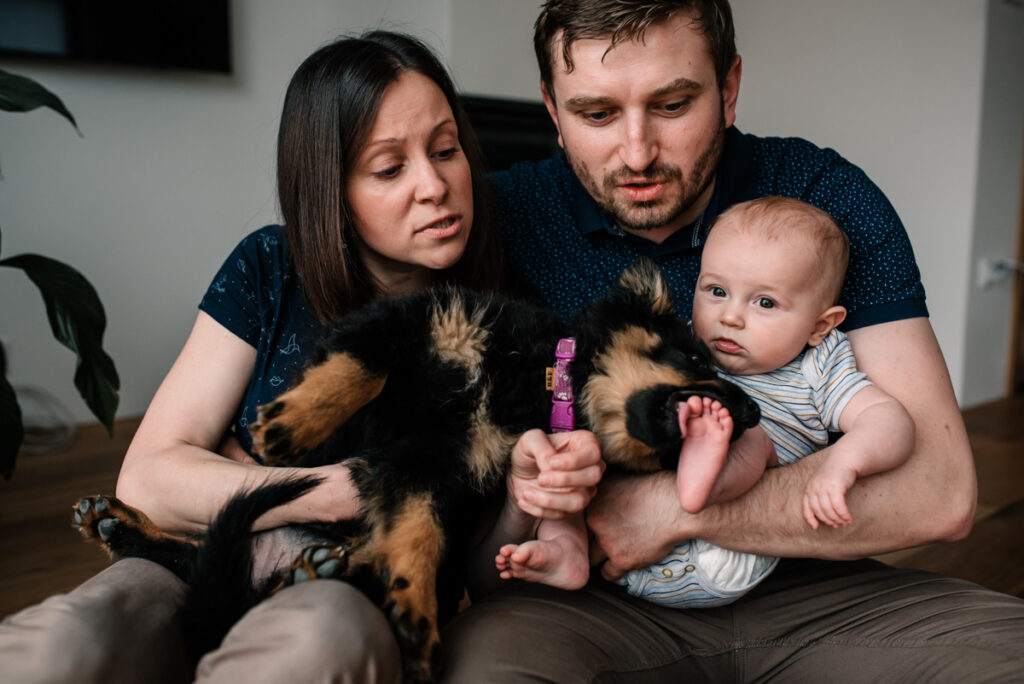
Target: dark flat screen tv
180,35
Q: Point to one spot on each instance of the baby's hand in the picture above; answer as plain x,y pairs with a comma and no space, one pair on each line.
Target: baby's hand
825,496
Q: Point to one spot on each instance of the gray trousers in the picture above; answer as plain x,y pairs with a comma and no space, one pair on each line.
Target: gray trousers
121,626
810,621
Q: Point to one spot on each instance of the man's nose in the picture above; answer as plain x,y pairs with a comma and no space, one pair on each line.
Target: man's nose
640,146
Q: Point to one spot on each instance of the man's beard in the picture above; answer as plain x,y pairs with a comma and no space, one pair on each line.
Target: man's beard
648,215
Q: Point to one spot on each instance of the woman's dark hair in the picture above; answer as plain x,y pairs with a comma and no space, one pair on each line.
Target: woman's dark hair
621,20
329,110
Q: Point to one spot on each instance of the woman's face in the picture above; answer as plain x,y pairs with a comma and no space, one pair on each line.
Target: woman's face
410,190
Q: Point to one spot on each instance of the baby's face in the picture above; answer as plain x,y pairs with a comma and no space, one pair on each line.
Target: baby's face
757,300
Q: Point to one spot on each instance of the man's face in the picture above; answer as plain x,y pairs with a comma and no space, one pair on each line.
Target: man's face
643,125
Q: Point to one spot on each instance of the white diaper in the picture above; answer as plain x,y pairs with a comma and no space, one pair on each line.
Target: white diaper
698,574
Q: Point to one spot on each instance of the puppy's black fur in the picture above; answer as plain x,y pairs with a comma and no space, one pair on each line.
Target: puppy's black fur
423,398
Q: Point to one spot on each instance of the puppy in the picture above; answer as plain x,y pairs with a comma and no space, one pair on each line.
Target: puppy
423,398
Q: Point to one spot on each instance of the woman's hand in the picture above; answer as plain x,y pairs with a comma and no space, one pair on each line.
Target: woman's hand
554,475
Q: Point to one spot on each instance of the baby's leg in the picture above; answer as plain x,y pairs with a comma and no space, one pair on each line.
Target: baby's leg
558,556
706,426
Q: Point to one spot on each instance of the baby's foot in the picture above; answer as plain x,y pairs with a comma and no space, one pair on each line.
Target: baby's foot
706,426
549,561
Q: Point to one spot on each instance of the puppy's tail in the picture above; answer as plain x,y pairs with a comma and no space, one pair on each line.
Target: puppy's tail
221,587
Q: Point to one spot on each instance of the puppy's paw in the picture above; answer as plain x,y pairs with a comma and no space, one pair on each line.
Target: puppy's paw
316,562
277,434
416,631
104,520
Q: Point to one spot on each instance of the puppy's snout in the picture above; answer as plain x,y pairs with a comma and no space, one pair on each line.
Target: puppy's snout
751,414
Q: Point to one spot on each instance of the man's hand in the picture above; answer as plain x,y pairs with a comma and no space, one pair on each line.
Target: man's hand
637,520
555,475
633,522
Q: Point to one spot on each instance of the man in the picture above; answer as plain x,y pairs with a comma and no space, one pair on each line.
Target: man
643,94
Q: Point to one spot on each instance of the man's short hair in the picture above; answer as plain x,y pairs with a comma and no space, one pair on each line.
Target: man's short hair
622,20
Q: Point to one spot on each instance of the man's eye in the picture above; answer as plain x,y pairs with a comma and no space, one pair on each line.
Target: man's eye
675,107
594,117
765,303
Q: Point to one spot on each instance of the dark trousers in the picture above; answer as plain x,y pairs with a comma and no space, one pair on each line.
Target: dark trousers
811,621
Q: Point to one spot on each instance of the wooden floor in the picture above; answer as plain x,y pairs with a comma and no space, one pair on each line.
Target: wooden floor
40,554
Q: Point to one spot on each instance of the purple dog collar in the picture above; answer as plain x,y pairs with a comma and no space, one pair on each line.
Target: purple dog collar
562,417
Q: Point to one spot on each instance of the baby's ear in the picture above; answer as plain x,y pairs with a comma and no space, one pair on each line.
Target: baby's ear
829,319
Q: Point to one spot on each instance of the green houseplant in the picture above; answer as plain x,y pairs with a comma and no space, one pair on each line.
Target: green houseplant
73,308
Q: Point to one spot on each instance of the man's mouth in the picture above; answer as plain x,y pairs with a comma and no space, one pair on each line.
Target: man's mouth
643,191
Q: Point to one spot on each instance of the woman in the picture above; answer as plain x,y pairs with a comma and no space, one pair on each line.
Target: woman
379,186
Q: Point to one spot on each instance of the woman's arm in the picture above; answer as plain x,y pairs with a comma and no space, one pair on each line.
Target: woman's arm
929,498
171,471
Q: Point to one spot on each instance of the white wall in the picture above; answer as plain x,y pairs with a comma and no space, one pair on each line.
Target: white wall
174,168
998,187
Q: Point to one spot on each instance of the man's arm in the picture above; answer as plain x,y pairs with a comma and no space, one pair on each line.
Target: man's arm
929,498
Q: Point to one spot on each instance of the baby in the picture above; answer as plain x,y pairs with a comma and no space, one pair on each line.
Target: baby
765,305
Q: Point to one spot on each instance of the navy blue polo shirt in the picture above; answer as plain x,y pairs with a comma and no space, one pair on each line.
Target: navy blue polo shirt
567,249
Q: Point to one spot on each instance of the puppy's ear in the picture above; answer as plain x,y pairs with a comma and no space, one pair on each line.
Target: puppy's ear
645,279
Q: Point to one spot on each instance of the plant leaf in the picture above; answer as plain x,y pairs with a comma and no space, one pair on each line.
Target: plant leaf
11,431
77,321
22,94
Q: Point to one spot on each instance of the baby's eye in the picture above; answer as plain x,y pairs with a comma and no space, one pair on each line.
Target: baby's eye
717,291
765,303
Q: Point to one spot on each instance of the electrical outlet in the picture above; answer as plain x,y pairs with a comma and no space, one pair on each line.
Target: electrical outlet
994,271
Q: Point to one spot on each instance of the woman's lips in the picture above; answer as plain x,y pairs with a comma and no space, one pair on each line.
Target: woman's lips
442,228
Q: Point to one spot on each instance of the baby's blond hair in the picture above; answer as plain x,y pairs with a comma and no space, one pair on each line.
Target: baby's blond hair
777,218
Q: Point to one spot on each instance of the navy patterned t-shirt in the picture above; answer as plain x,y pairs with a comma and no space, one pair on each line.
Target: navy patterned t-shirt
569,252
257,295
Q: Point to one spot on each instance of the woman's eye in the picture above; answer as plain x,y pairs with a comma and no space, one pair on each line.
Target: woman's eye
765,303
389,172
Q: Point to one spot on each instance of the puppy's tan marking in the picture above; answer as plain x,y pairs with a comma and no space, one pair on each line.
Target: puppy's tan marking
489,445
624,367
409,553
307,414
646,280
459,336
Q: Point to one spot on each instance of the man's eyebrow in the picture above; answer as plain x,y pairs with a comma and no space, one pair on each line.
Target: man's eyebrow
675,86
587,101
